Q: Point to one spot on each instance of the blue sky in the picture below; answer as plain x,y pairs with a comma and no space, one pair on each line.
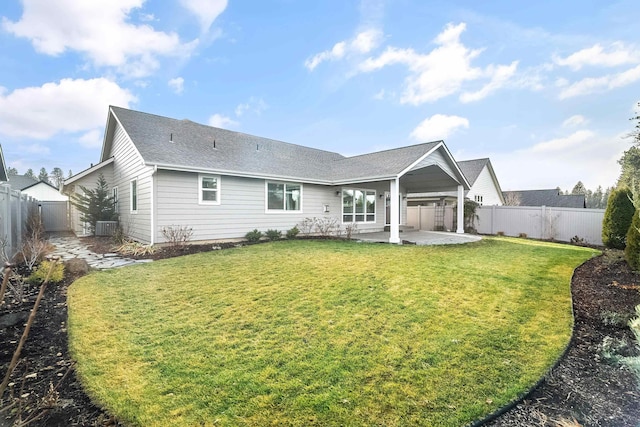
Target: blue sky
545,89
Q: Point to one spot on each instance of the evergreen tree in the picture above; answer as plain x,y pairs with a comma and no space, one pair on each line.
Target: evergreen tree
595,201
617,218
70,174
632,251
44,175
30,174
579,188
57,176
12,171
95,205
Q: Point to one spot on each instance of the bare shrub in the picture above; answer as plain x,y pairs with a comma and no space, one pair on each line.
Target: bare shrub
350,229
326,226
307,225
34,246
177,235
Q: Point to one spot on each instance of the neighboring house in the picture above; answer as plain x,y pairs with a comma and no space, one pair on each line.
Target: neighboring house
3,167
167,172
485,188
549,198
39,190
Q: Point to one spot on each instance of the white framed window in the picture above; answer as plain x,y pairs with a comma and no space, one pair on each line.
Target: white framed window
133,191
284,197
478,199
358,205
114,195
209,189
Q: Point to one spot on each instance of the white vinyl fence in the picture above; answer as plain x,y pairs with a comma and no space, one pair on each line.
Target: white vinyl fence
424,218
14,209
561,224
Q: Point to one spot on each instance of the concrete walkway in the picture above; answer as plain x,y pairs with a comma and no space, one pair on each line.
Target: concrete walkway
422,238
68,247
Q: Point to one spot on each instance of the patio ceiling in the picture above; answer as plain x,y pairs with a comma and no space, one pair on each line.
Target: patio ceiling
428,179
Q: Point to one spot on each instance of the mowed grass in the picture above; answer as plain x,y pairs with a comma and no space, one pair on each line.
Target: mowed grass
324,333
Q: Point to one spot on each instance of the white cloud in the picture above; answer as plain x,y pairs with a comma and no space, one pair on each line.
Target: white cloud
176,85
363,43
36,149
206,11
499,76
92,139
437,127
67,106
582,156
99,29
590,85
380,95
574,121
443,70
254,105
220,121
560,144
618,54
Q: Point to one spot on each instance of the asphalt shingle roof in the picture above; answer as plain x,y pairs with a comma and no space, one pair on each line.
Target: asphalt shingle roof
182,143
550,198
20,182
472,168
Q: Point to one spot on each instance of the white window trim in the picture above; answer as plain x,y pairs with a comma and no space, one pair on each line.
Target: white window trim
131,210
375,210
282,211
218,190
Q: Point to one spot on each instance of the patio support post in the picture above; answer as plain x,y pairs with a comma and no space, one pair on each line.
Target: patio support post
460,228
394,221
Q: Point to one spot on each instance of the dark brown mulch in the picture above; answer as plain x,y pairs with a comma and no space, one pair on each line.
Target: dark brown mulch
584,386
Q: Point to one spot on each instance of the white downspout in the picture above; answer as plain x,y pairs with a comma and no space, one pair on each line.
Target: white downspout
460,228
394,221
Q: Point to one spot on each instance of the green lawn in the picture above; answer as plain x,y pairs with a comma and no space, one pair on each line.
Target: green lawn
324,333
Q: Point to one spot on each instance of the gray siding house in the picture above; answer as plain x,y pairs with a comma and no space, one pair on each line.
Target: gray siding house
168,172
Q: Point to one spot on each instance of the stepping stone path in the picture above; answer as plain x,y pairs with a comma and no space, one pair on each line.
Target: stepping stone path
68,247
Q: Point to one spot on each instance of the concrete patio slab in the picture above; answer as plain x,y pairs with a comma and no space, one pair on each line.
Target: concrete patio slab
422,238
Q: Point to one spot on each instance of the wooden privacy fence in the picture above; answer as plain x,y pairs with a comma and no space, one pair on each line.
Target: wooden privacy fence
538,222
14,209
541,222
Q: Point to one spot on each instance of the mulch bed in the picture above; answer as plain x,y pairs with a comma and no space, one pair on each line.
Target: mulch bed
584,386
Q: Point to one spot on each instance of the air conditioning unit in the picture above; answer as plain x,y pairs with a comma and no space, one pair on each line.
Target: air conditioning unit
106,228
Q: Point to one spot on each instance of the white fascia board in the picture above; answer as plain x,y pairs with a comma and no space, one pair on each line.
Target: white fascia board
86,172
268,176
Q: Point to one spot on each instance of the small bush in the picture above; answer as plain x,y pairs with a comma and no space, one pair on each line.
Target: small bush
293,232
307,225
617,219
522,235
253,236
350,229
177,235
273,235
577,240
40,273
632,249
500,233
326,226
